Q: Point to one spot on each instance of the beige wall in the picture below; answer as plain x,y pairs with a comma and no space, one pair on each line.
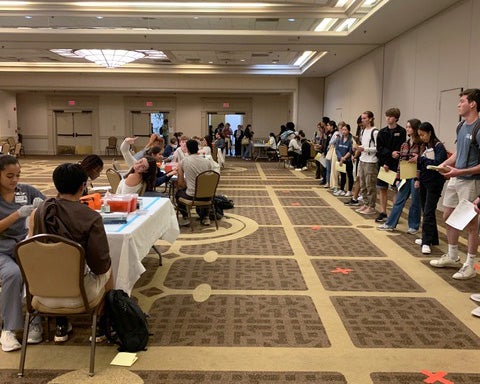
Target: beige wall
8,115
412,72
310,104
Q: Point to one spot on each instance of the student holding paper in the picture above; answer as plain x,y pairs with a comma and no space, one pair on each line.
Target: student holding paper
464,174
409,151
368,164
390,139
344,149
430,184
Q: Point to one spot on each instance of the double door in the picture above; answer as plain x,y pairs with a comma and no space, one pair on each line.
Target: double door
73,132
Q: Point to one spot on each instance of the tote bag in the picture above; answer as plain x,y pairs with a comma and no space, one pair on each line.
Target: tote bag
331,151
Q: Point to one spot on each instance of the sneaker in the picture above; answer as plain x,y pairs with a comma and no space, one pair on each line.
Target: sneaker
412,231
298,169
381,218
418,241
35,334
182,222
326,186
476,312
475,297
465,273
9,341
348,194
61,333
352,202
304,168
337,192
426,249
360,198
206,221
342,193
445,261
385,227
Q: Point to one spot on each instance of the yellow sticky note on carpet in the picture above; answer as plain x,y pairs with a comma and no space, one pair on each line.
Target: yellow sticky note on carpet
125,359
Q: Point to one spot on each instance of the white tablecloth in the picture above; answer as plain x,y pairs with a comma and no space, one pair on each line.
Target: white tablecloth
130,243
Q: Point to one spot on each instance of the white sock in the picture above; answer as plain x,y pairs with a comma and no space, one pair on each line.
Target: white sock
470,259
453,251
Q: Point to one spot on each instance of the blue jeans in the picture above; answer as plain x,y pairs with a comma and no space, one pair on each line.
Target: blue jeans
414,211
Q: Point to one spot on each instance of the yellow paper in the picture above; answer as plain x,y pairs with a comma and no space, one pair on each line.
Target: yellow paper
408,170
341,168
125,359
389,177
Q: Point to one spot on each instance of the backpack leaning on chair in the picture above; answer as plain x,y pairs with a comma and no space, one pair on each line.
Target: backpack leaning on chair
125,323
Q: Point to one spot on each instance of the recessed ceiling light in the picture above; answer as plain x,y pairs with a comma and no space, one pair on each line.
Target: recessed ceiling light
242,60
305,56
341,3
346,24
325,24
291,20
210,62
99,17
369,3
28,17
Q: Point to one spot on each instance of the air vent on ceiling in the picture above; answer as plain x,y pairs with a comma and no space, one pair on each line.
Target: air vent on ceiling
267,20
194,60
260,55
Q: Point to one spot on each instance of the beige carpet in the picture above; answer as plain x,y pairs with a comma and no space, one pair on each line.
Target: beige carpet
294,287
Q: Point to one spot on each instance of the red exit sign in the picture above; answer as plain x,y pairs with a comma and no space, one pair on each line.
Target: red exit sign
226,105
149,103
71,103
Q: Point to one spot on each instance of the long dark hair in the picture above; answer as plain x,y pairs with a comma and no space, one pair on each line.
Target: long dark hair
149,176
427,127
415,123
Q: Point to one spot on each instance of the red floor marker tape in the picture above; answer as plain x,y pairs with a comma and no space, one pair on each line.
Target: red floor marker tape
436,377
343,271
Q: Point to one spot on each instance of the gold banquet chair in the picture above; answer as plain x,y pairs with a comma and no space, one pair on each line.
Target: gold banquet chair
114,177
205,187
53,266
283,155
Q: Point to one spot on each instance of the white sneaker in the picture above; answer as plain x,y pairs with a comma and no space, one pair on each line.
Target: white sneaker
348,194
298,169
465,273
360,198
385,227
304,168
337,192
445,261
206,221
426,249
475,297
342,193
418,241
9,341
412,231
476,312
35,334
183,222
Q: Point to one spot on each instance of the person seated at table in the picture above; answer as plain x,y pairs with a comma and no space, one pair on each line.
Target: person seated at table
65,216
170,148
93,165
206,146
16,204
272,146
161,177
294,150
189,169
142,171
154,141
181,152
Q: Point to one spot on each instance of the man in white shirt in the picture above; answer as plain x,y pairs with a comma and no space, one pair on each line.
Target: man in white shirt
368,164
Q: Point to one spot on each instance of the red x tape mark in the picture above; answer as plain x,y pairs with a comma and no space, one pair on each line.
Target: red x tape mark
343,271
296,203
315,227
476,266
436,377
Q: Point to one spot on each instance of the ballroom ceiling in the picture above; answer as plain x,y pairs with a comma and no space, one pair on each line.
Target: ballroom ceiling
203,37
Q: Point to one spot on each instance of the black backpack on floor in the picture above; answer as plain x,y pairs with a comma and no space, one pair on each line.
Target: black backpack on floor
126,324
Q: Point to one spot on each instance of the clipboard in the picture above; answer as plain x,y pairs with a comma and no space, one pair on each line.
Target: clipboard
389,177
407,170
340,168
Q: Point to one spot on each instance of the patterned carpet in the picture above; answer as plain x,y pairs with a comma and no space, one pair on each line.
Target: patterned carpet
294,287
